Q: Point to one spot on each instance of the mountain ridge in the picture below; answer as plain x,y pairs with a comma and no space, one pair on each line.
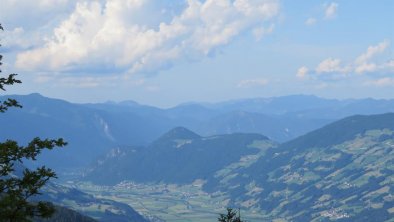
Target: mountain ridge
314,178
175,159
133,124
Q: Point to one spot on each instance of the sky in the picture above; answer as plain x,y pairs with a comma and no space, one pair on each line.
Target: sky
167,52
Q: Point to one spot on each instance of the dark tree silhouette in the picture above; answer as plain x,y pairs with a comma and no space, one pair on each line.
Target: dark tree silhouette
18,184
231,216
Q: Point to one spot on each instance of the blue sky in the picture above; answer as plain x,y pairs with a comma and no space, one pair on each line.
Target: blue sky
167,52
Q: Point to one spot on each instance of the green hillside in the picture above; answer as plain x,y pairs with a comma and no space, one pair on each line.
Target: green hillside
343,171
70,200
179,156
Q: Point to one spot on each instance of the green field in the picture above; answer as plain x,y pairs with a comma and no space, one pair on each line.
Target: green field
168,202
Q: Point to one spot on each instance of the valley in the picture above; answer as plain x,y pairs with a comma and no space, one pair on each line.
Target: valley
342,195
169,202
343,171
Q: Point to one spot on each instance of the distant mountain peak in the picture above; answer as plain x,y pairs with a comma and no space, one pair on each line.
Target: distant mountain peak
129,103
179,133
35,95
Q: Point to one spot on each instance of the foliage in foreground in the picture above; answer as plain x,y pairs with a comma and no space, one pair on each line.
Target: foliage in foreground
231,216
18,185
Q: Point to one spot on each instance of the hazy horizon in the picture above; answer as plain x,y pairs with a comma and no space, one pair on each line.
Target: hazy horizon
193,102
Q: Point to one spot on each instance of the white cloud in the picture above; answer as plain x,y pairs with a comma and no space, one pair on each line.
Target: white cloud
366,67
310,21
302,72
18,11
28,23
248,83
331,65
107,36
331,10
15,38
364,63
372,51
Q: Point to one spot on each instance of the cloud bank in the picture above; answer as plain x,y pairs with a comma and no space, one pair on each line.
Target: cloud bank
108,36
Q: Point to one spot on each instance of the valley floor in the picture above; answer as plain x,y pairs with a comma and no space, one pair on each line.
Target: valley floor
168,202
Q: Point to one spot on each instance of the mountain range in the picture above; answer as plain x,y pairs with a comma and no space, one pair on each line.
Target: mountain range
93,129
342,171
294,158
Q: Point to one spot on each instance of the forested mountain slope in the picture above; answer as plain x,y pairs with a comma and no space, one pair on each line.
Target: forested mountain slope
179,156
342,171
